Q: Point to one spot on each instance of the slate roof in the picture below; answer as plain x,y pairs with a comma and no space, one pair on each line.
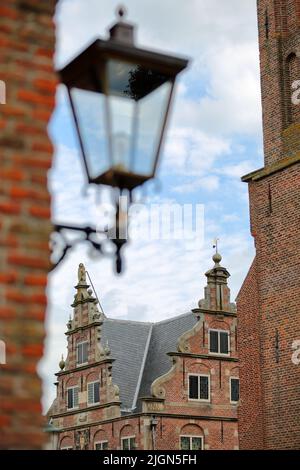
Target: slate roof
140,352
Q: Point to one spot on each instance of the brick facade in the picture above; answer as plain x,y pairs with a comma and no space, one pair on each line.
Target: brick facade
27,46
268,303
168,413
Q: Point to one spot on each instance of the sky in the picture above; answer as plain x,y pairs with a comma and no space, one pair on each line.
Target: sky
214,137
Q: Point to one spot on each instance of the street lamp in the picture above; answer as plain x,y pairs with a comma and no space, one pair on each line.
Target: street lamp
120,98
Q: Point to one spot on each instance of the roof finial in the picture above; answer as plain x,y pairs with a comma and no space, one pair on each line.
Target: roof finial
81,274
62,363
121,12
217,258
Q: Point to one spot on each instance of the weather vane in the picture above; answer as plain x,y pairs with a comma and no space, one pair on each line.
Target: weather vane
215,245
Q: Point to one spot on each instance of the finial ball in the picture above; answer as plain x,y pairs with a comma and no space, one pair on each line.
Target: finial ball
217,258
121,11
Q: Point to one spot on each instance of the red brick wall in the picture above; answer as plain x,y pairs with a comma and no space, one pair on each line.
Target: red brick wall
276,49
26,50
250,407
270,295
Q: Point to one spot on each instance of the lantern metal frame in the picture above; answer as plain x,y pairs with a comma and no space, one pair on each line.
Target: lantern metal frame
83,73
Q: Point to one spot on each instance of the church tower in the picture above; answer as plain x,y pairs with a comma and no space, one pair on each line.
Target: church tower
268,302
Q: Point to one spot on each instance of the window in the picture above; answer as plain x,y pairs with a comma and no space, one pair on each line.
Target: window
234,389
199,387
191,443
101,445
82,352
72,398
219,342
93,393
128,443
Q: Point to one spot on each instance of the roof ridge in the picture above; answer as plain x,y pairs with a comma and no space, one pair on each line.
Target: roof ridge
166,320
128,321
137,322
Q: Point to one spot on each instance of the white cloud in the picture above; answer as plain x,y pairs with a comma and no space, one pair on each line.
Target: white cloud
192,152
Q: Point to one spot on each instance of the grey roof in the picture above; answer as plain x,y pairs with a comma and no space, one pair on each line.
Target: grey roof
140,353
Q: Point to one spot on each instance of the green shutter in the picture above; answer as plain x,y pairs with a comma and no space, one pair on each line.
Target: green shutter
234,389
204,391
96,392
193,387
90,393
75,389
70,398
214,341
223,342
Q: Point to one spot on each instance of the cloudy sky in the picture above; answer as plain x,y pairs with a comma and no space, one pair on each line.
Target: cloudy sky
214,137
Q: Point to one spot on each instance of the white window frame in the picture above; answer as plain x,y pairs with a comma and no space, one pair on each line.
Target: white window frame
87,391
228,337
74,407
190,438
199,399
128,438
101,443
233,402
66,448
78,344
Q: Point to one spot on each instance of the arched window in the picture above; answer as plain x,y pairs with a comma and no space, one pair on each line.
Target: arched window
66,443
191,437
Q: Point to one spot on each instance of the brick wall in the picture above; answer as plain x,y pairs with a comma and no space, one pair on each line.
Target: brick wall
250,407
268,303
26,51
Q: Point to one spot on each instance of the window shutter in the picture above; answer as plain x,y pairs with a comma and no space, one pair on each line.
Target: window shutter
75,390
193,387
79,354
90,393
213,341
234,389
204,392
85,352
223,342
70,398
96,392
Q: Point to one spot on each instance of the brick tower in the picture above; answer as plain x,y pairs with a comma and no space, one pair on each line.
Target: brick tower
268,302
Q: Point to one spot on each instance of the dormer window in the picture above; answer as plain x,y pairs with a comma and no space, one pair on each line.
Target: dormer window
219,342
82,353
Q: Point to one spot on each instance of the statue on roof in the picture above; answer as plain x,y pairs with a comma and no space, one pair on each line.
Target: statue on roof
81,274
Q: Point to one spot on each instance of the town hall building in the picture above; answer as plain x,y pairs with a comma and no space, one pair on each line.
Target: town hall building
137,385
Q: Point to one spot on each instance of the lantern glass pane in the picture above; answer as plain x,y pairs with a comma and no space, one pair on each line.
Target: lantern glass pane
151,114
91,116
138,102
131,80
121,119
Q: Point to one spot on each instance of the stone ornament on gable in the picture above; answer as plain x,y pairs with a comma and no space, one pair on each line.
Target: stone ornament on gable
81,274
157,389
183,342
